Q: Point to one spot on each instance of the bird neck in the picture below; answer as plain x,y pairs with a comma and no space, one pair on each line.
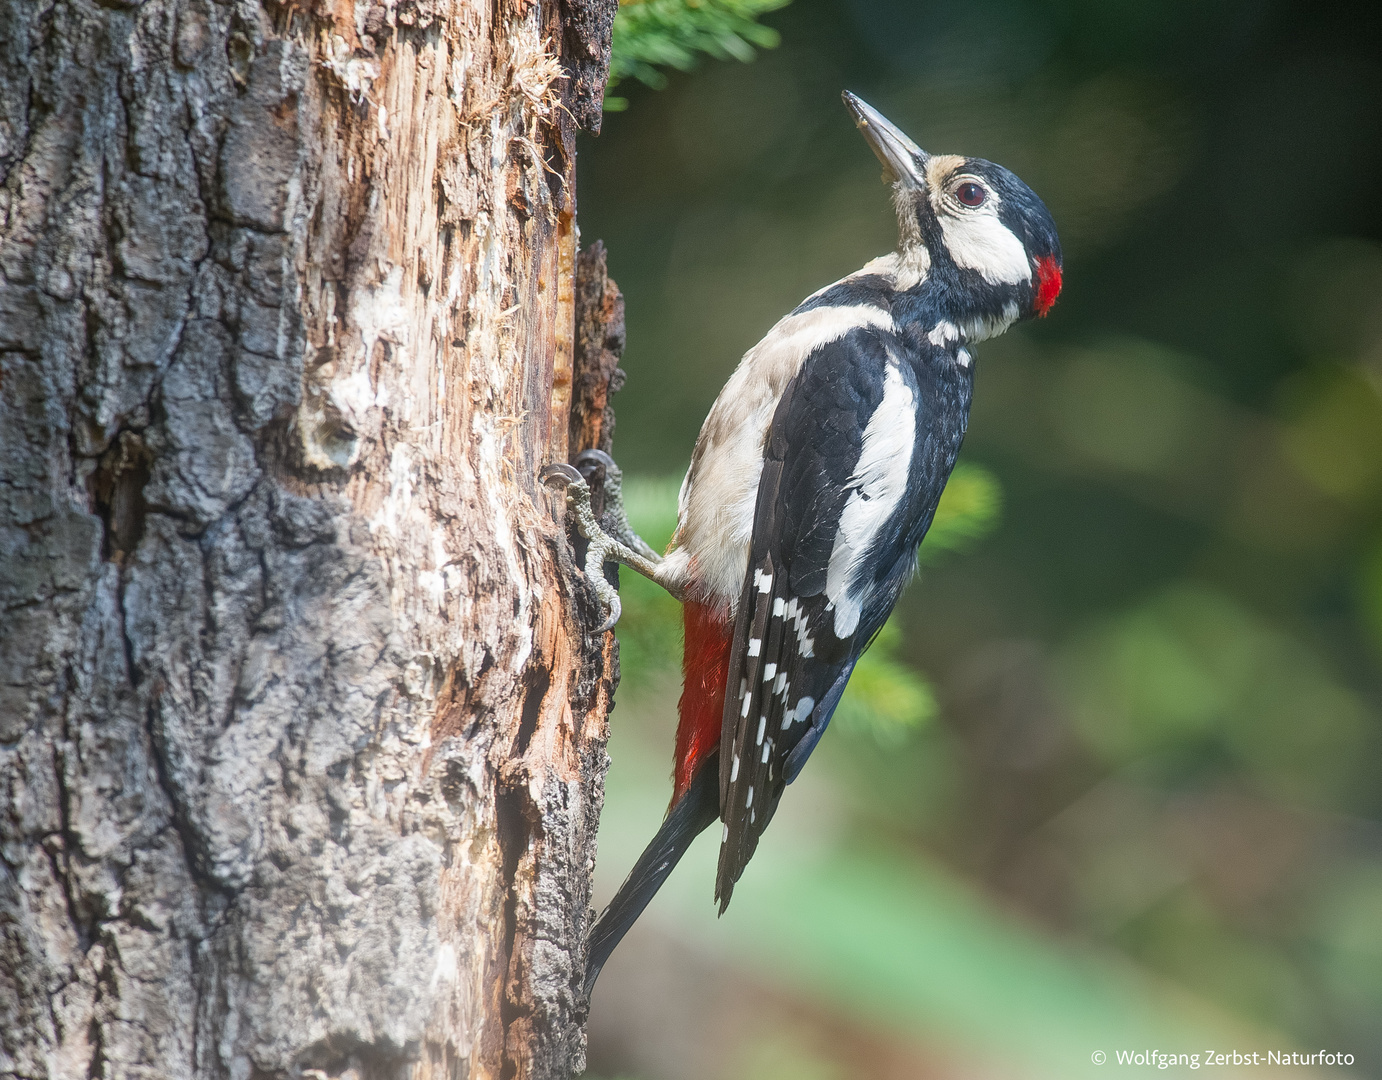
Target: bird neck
952,309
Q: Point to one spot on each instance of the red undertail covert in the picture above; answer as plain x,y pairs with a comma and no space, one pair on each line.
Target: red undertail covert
705,666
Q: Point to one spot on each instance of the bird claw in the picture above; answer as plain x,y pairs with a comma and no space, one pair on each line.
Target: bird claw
562,472
608,595
600,458
595,464
615,610
602,547
613,543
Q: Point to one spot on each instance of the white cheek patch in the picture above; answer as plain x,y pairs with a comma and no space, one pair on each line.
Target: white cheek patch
982,243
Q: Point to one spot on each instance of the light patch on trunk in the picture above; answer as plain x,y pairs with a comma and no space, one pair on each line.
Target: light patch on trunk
445,970
336,410
355,73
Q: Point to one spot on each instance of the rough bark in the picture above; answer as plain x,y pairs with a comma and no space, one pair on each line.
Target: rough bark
301,733
599,345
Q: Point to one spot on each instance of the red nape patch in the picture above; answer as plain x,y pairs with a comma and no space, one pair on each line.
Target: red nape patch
1048,284
705,667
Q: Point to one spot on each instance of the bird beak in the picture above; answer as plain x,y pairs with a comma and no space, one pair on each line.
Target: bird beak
903,160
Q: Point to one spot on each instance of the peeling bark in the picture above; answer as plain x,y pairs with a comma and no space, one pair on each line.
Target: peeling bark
301,728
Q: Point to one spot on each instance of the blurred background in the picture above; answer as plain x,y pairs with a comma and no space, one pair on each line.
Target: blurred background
1112,779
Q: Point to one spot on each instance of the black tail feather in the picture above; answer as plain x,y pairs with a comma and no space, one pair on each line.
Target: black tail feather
692,814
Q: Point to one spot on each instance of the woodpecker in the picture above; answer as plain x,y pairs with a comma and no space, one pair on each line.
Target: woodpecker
811,486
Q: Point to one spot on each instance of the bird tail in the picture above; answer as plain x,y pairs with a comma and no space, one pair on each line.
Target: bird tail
690,815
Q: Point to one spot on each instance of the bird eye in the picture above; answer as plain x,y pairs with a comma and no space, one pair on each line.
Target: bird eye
971,194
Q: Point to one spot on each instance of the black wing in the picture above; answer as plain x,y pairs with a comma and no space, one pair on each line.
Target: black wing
787,666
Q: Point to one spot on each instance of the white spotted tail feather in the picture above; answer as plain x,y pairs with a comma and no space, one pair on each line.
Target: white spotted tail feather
765,716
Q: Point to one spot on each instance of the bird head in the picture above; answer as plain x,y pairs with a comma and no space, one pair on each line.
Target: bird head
969,220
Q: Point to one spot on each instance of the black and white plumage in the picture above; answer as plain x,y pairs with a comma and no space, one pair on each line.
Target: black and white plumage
859,450
813,482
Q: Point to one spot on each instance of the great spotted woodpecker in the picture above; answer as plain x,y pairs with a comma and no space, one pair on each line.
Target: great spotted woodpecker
814,479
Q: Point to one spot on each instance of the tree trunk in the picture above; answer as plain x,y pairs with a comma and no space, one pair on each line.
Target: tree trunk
301,729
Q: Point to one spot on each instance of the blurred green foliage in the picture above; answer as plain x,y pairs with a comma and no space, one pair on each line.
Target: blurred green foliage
781,1058
1192,675
1370,592
885,699
1350,944
649,630
650,35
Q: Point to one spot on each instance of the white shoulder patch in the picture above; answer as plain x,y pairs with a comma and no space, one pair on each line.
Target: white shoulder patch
880,483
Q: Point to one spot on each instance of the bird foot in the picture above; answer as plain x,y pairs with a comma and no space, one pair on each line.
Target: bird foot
618,543
613,517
